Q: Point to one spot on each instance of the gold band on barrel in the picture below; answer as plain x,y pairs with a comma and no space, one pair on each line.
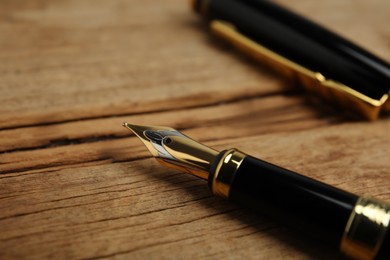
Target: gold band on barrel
225,172
366,229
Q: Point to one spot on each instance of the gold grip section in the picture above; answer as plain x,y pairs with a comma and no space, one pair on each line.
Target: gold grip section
312,81
366,229
225,172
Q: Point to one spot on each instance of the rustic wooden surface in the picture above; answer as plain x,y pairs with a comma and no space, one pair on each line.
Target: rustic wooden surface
74,184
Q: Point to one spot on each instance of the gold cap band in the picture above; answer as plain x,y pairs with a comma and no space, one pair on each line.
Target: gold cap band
366,228
225,172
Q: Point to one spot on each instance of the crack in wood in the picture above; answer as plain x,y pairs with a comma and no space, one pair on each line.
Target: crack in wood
50,165
65,142
234,99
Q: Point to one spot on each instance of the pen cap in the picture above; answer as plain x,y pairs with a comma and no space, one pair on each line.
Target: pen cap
321,61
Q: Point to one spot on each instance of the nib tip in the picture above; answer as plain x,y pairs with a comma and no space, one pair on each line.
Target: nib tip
136,129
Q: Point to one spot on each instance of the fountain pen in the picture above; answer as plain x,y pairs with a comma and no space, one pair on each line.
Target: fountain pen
358,226
321,61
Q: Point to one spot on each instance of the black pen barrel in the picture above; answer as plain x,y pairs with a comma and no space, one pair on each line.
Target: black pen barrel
355,225
295,200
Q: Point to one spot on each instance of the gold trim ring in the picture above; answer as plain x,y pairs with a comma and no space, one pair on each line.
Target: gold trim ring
225,172
366,229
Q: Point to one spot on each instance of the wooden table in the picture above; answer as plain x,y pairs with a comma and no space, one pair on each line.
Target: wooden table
75,184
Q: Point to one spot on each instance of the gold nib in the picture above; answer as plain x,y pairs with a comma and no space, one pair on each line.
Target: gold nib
142,131
175,150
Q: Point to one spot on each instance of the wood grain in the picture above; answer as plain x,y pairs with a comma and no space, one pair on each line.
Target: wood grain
75,185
